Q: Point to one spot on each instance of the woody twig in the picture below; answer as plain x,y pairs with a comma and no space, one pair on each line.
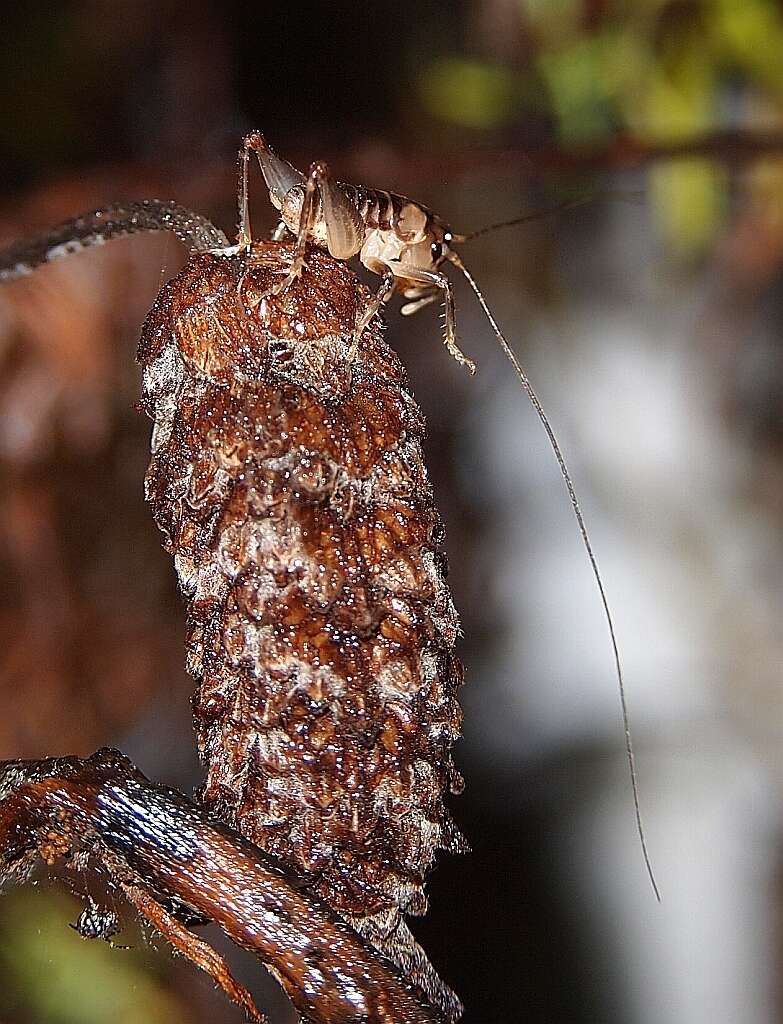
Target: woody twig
177,864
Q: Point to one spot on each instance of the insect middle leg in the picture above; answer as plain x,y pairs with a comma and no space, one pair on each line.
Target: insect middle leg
307,220
427,286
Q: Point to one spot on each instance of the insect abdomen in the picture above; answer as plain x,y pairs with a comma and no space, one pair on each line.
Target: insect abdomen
293,494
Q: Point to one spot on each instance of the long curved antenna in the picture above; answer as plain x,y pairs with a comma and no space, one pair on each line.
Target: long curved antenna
536,403
100,226
566,204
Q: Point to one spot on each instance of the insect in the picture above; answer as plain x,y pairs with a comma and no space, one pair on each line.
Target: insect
96,922
407,245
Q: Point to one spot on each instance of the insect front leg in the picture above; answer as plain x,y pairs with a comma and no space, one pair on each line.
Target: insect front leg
427,285
381,297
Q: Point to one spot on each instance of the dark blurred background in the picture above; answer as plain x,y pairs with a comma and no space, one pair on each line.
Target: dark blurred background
651,327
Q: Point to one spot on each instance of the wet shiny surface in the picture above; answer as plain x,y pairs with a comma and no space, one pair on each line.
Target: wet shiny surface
150,833
288,479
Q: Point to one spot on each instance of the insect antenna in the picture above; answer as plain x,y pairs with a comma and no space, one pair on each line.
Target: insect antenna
536,403
561,207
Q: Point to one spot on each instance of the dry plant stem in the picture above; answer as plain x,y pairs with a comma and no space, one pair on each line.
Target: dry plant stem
160,847
733,149
289,480
196,950
100,226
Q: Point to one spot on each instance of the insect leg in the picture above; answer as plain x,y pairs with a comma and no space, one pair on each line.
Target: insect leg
431,281
420,297
345,229
342,224
244,234
382,296
307,219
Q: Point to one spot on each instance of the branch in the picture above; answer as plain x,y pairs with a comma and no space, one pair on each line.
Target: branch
171,859
626,151
118,221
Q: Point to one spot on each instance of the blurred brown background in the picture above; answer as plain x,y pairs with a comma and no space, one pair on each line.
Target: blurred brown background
652,331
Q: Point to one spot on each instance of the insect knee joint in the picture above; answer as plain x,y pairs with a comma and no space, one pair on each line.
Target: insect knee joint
319,170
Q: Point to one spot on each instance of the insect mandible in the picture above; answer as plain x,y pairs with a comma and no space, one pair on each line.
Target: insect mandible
407,245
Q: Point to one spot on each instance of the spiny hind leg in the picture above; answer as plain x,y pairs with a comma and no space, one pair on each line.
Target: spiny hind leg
341,221
427,286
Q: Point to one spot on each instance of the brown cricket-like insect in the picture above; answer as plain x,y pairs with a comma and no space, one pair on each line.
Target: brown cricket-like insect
407,244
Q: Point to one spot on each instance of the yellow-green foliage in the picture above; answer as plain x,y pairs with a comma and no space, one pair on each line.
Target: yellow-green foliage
657,70
57,977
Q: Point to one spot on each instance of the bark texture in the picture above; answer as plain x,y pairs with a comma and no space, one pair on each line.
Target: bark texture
177,865
288,478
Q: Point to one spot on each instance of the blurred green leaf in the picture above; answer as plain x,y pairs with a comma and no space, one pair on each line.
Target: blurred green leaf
580,89
751,34
469,92
59,978
689,199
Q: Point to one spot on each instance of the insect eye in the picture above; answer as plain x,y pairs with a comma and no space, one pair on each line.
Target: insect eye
436,250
